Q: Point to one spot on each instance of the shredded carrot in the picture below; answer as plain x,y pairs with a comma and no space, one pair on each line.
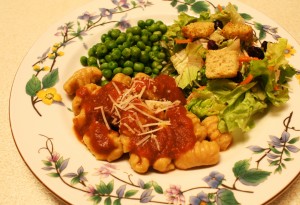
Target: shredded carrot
271,68
246,59
220,7
247,80
201,88
183,41
276,87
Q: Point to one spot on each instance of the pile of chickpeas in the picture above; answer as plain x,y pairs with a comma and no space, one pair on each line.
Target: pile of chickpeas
138,49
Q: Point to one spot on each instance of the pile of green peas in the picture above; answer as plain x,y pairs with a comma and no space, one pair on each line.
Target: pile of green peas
138,49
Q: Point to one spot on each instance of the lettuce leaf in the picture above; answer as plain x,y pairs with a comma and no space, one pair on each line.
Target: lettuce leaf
183,19
241,106
206,104
275,53
234,104
267,79
228,14
239,114
188,62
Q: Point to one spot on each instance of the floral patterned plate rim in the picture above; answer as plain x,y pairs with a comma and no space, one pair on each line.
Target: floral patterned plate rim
266,158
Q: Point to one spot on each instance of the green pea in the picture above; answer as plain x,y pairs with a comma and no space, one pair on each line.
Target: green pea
148,48
103,37
135,51
144,39
157,43
92,61
101,60
136,38
155,71
154,38
152,54
126,53
117,70
108,58
141,23
112,65
136,30
149,22
127,71
104,82
111,44
159,33
161,55
104,66
148,70
155,64
129,37
153,27
121,47
101,50
163,28
116,54
141,45
153,75
128,63
165,38
144,58
84,60
155,48
159,67
91,51
107,73
115,33
126,44
159,22
121,39
145,32
138,67
107,38
129,30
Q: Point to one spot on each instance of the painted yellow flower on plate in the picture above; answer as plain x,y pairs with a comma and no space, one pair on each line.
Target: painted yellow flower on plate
289,51
46,68
36,67
49,95
60,53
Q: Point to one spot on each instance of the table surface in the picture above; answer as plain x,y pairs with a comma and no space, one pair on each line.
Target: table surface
22,22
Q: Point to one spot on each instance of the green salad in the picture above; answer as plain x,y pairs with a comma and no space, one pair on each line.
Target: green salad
261,80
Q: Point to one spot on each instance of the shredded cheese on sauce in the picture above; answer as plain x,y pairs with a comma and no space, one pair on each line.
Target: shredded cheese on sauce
126,102
164,123
129,128
151,131
104,118
144,140
154,137
116,87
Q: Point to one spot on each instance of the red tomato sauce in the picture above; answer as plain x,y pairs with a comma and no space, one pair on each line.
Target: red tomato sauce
98,134
151,142
172,140
92,103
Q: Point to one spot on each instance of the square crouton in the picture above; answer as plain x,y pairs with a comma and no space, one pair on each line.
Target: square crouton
221,64
198,30
238,30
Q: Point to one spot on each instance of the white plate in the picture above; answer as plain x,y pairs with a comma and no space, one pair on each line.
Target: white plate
41,131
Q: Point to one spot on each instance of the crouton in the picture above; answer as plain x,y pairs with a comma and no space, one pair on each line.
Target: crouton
238,30
198,30
221,64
